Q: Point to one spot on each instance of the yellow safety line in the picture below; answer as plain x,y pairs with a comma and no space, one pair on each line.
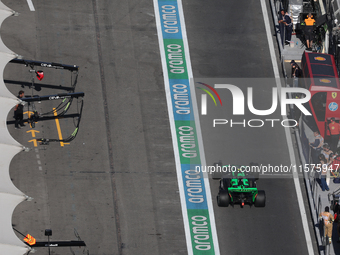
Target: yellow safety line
58,127
34,141
29,113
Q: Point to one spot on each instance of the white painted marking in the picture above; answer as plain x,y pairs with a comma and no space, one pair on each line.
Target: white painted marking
38,156
39,162
198,129
40,168
173,130
287,132
30,5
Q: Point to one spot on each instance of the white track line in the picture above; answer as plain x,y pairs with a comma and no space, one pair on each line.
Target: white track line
173,130
287,132
198,130
30,5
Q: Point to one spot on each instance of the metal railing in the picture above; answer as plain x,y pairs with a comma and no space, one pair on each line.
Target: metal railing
310,178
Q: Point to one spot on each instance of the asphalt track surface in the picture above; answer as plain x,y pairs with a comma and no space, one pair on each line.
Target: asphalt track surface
116,182
228,40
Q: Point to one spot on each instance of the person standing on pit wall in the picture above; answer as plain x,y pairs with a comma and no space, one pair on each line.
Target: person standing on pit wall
19,112
328,153
289,28
282,25
329,156
309,33
296,70
323,168
334,130
316,146
328,219
296,73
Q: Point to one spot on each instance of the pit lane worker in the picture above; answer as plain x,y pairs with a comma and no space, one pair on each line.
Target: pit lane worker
309,31
317,146
323,168
289,28
19,112
334,129
285,26
328,219
329,155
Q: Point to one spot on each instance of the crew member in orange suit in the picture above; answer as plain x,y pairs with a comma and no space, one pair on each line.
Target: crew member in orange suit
309,33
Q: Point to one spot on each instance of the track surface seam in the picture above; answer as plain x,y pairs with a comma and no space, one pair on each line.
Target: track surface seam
107,126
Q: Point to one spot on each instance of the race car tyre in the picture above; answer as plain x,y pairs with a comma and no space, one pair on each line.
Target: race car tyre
223,198
260,200
224,183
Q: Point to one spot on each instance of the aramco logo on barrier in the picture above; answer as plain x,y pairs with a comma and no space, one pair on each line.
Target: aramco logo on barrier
238,108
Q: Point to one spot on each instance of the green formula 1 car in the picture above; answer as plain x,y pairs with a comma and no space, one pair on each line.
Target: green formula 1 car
238,186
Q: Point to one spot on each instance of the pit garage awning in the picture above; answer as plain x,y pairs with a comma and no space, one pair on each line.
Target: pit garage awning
10,196
319,71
